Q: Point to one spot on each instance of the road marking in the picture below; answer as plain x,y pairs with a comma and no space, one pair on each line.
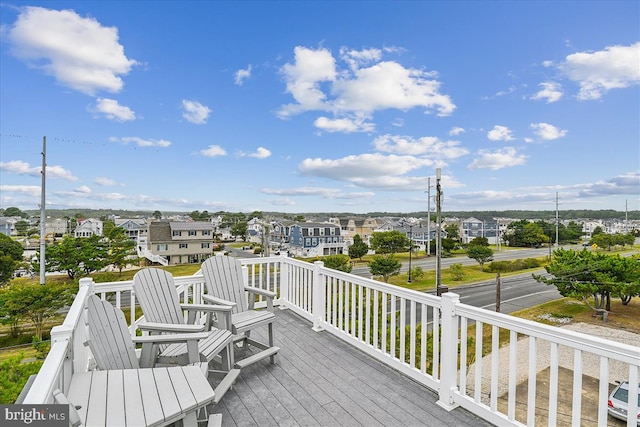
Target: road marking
514,299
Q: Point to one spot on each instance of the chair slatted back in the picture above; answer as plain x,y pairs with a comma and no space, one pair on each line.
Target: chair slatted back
224,279
156,292
109,337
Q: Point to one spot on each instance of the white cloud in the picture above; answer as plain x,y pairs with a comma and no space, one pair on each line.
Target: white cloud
113,110
547,132
364,86
551,92
195,112
328,193
260,153
366,166
344,125
456,131
359,58
426,146
30,190
19,167
498,159
105,182
242,75
283,201
500,133
78,52
142,142
213,151
303,78
598,72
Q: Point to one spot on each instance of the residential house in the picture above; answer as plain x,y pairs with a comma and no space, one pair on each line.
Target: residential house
181,242
88,227
315,239
56,227
136,228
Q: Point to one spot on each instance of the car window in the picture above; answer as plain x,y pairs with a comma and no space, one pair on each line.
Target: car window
622,395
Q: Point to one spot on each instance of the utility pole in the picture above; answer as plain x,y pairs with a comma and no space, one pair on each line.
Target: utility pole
498,292
438,237
428,216
43,217
557,221
410,250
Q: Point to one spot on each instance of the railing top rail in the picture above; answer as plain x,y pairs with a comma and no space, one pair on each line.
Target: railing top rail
394,290
611,349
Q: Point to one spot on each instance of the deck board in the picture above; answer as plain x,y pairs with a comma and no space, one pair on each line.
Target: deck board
320,380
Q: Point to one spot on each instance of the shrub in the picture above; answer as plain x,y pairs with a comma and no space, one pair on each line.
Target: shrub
14,375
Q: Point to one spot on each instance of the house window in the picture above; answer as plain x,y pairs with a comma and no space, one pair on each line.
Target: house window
314,242
322,231
192,232
183,245
206,232
176,233
311,232
205,245
307,242
332,231
162,247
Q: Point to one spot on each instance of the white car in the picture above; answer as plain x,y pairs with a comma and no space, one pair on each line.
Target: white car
618,402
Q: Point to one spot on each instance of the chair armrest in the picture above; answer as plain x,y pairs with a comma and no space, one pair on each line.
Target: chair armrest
150,346
263,292
169,327
269,295
214,300
224,312
170,338
207,307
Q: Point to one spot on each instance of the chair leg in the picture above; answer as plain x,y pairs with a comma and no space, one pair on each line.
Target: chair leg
271,342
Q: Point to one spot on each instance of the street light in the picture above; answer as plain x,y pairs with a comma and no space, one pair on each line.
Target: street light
410,250
438,238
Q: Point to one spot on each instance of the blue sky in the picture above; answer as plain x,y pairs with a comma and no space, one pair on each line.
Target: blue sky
320,106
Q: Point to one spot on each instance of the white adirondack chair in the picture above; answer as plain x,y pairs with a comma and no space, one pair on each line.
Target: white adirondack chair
122,392
156,292
225,285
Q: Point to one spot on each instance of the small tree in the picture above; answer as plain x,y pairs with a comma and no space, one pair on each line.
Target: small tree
120,249
10,256
239,229
385,266
34,302
157,214
359,248
457,271
479,241
481,254
389,242
338,262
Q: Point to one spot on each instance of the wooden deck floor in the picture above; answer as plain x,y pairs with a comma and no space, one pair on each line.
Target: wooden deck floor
319,380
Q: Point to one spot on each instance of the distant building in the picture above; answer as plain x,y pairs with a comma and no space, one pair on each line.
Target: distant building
136,228
88,227
315,239
181,242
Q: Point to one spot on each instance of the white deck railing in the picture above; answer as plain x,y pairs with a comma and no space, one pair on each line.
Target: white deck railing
418,334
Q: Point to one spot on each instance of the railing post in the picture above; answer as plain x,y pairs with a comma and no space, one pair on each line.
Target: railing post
284,281
318,294
448,351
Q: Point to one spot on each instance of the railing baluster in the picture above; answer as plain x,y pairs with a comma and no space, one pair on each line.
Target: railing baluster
553,385
531,384
495,366
513,355
577,388
477,391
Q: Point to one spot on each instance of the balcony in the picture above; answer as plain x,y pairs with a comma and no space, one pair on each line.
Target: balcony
354,352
